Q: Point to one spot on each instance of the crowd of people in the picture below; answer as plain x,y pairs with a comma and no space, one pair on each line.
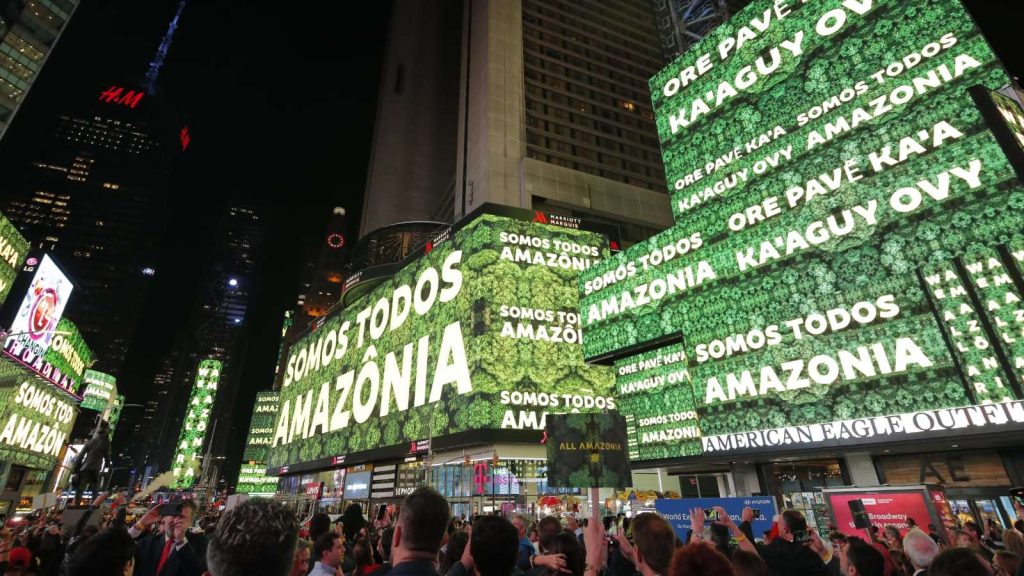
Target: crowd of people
263,538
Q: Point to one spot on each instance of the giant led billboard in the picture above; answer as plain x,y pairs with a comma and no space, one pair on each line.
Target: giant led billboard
842,267
480,332
252,476
187,456
35,421
13,248
100,391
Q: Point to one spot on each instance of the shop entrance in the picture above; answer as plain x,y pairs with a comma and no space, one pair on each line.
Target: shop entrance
980,511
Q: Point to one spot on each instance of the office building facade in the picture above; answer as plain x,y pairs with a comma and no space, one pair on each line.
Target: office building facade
28,33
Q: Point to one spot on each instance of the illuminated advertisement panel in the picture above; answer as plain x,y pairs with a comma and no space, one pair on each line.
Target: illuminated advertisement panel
100,391
832,181
186,462
13,248
252,477
36,421
481,332
40,339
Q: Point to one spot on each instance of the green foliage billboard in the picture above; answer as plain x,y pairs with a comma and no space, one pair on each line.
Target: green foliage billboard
35,420
100,391
825,160
481,332
185,465
252,477
13,248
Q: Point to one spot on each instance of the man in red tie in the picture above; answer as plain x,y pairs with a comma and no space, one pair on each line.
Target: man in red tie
170,553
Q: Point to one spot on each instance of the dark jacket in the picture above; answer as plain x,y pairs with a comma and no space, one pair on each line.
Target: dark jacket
417,568
786,558
184,562
95,451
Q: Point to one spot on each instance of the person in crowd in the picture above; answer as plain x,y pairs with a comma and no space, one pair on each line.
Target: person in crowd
384,550
696,559
891,535
45,543
108,553
526,549
958,562
573,525
329,552
418,533
90,461
654,543
567,546
319,524
965,540
974,531
457,542
492,549
362,553
547,528
901,565
303,551
543,562
256,538
933,533
19,562
787,554
920,550
1013,541
1006,563
534,538
747,563
824,549
354,521
993,537
859,558
172,552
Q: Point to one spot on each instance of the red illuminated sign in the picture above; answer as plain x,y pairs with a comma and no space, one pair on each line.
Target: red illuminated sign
118,95
883,508
335,240
184,137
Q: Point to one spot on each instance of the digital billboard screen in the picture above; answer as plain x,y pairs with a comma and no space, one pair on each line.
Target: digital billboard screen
100,391
186,461
480,332
35,421
252,477
844,214
13,248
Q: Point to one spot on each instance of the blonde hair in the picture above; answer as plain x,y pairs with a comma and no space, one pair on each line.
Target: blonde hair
1013,540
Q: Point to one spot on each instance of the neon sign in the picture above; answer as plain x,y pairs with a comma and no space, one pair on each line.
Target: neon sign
118,95
185,137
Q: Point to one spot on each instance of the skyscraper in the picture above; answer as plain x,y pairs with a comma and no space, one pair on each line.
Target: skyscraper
554,113
94,195
325,273
682,23
215,329
28,32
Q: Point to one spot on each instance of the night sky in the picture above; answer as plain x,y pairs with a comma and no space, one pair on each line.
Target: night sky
280,99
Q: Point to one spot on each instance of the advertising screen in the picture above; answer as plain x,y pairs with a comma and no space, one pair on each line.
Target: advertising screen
42,307
480,332
835,188
100,391
36,421
357,485
883,508
40,339
252,477
677,511
13,248
186,462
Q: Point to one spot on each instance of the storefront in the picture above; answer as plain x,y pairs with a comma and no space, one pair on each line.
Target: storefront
976,482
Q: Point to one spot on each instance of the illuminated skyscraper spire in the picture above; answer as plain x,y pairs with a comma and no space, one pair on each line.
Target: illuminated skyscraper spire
161,52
